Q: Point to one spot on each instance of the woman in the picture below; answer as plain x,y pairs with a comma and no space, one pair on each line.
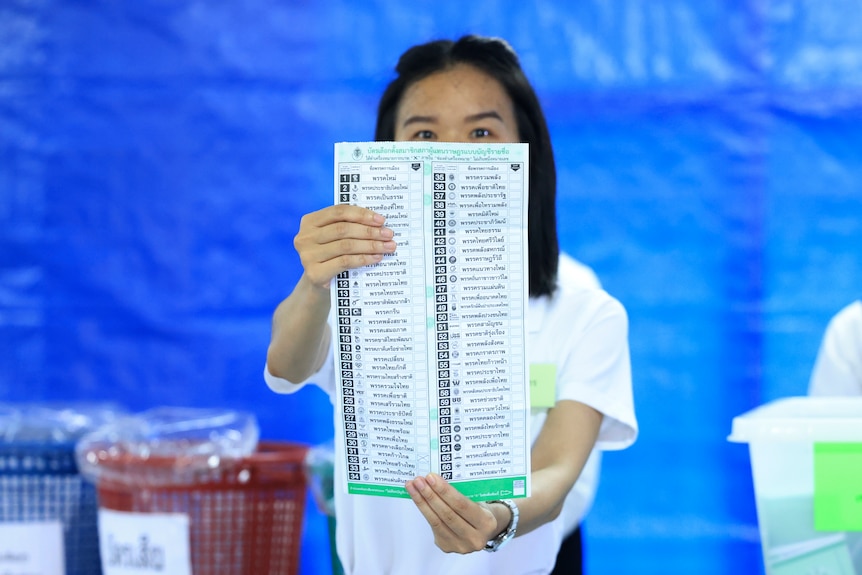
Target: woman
472,90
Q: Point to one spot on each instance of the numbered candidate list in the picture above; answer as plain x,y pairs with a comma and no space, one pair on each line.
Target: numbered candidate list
430,355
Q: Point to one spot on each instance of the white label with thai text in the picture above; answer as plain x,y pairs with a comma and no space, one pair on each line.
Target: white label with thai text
141,543
32,548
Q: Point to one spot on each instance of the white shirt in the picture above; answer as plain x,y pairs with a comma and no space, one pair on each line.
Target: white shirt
838,368
584,332
572,274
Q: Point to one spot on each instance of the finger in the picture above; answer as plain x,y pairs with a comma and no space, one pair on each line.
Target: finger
325,252
450,510
330,260
444,537
316,243
347,237
344,213
415,488
311,252
469,511
321,273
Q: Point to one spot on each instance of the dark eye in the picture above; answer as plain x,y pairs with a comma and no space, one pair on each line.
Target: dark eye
423,135
480,133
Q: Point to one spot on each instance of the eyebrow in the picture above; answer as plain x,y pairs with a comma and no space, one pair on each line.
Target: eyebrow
419,119
483,116
467,119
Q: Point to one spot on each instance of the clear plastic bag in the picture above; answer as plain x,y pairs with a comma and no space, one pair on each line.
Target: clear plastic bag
54,423
320,473
167,445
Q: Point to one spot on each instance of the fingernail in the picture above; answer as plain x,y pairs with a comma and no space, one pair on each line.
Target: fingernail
431,479
378,219
386,233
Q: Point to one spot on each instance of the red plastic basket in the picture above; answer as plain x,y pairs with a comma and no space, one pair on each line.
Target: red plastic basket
245,516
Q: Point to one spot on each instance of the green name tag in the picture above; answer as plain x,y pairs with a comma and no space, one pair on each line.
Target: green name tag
838,486
543,384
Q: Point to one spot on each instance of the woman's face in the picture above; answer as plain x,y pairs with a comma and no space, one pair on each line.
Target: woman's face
462,104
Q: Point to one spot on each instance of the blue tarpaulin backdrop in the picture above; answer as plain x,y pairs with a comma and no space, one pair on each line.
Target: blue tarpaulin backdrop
155,159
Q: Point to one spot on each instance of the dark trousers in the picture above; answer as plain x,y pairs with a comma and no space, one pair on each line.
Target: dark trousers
570,559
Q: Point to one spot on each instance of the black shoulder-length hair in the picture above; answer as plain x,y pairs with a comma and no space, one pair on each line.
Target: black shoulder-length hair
497,59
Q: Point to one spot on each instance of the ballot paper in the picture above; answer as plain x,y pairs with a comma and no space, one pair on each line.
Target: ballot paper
430,357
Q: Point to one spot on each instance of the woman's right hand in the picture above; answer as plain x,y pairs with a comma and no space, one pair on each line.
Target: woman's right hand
339,238
329,241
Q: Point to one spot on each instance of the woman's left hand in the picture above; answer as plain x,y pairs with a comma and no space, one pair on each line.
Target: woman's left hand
459,524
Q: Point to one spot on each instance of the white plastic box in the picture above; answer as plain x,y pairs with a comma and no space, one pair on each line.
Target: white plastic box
782,436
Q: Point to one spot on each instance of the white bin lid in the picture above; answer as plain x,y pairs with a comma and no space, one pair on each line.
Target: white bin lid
837,419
